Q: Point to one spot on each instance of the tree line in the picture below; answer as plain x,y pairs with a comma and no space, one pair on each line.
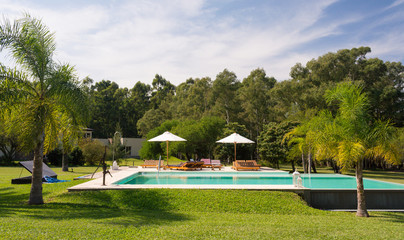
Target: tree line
266,108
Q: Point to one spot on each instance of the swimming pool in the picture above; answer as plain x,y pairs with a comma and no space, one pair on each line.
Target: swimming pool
314,181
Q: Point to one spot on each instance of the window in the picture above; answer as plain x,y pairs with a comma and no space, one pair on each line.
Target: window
128,150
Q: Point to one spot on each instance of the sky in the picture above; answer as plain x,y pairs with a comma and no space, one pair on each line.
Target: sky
127,41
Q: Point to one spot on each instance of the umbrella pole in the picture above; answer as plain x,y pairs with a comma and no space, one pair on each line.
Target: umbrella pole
167,151
235,156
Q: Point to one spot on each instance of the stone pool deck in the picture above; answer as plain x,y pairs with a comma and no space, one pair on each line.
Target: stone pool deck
124,172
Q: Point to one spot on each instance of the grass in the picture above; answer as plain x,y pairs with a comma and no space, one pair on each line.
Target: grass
176,214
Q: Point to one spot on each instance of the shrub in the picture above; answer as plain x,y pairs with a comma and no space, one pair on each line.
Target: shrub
55,157
93,151
76,157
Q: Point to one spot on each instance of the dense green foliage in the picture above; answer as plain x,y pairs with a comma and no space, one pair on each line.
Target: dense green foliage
271,146
93,151
74,158
177,214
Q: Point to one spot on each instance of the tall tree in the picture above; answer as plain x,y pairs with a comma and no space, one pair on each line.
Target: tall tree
287,100
149,121
271,145
106,108
41,93
224,95
382,81
388,93
136,106
256,101
161,88
192,99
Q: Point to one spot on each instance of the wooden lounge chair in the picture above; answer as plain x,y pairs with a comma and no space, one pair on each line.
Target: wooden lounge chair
186,166
152,163
245,165
216,164
198,165
253,161
235,163
206,163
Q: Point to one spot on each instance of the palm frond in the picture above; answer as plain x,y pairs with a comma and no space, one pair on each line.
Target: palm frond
349,153
31,44
68,94
14,86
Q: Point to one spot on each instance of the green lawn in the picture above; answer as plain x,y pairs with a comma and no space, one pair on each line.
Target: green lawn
177,214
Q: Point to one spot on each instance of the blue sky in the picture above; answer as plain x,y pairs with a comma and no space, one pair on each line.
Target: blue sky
130,41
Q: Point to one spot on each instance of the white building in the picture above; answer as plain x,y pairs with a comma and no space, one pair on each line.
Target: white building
132,145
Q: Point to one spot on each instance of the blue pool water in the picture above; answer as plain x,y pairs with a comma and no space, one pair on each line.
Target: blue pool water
314,181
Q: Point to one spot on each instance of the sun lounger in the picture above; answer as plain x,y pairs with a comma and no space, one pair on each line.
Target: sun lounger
198,165
245,165
206,163
186,166
235,163
254,162
216,164
152,163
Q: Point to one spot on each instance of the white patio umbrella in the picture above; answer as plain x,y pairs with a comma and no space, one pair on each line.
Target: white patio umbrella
167,137
235,138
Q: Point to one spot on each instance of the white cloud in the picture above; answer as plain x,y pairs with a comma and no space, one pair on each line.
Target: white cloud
395,4
129,41
391,45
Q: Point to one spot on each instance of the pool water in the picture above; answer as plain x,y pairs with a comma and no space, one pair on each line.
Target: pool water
314,181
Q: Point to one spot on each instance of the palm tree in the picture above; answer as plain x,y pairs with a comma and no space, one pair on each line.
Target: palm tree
352,135
304,137
39,94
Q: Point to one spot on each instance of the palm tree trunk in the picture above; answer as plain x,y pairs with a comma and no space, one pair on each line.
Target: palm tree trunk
303,163
360,192
313,166
65,164
35,196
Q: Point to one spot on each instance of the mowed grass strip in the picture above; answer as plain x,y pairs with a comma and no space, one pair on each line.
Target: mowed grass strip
177,214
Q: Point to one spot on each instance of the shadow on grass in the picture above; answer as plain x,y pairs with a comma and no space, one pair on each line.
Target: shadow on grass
10,195
126,208
391,216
